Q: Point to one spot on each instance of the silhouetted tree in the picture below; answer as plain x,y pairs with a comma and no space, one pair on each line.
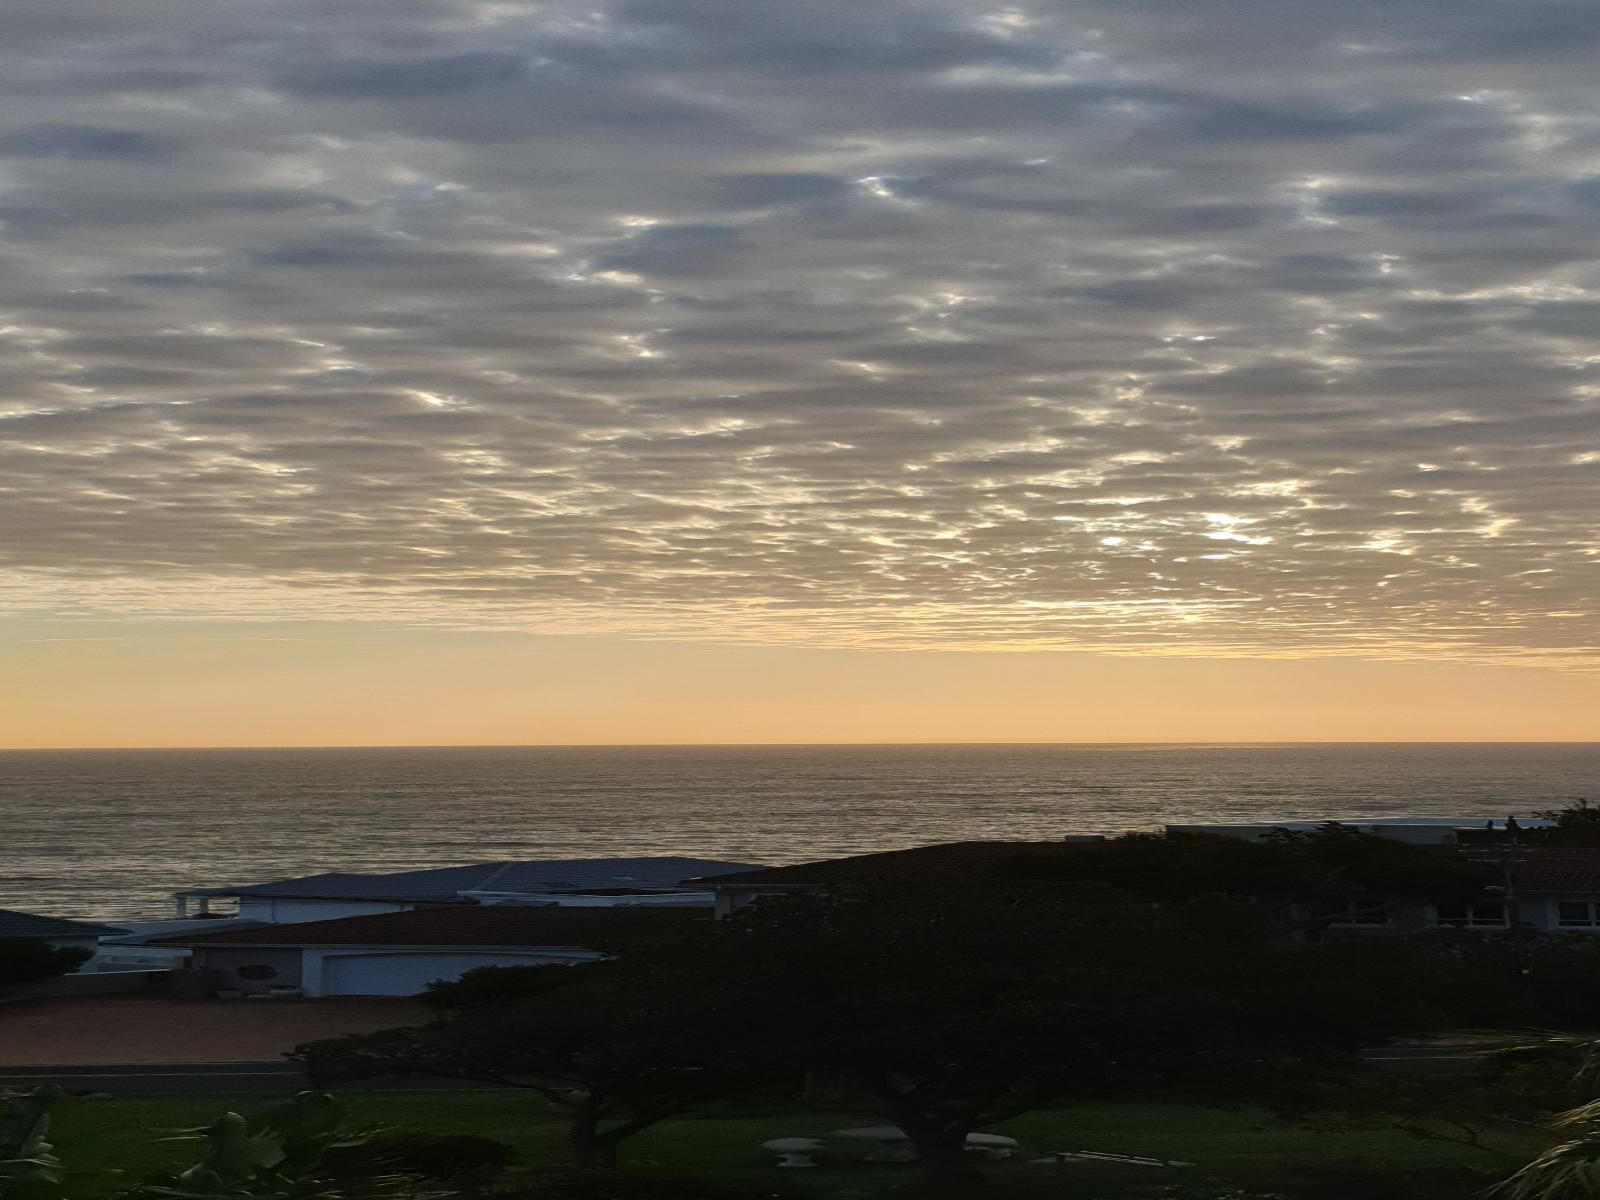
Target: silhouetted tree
23,960
615,1054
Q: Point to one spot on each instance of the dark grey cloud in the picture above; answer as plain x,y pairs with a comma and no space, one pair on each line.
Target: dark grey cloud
1257,326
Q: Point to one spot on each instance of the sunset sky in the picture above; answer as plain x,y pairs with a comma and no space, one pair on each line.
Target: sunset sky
485,371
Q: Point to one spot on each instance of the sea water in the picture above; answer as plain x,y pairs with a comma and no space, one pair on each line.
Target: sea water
108,834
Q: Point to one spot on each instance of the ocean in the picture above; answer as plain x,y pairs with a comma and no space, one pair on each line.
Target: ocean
110,833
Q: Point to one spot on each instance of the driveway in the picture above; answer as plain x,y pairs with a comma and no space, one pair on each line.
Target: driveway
108,1030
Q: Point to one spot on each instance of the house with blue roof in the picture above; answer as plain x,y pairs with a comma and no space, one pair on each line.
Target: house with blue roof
567,883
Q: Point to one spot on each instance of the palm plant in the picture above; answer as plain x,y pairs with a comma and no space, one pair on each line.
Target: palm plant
28,1164
298,1151
1569,1170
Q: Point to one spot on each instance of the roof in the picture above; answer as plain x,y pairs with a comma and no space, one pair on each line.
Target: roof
602,875
468,925
444,885
1550,868
440,884
32,925
945,862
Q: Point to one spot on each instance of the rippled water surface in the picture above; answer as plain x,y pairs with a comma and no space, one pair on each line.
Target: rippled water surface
110,833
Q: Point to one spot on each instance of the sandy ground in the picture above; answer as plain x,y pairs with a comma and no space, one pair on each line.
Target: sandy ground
94,1030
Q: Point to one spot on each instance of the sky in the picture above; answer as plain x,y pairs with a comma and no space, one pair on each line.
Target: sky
470,371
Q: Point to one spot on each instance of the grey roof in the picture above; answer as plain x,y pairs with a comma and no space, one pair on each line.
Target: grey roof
444,885
33,925
439,884
603,874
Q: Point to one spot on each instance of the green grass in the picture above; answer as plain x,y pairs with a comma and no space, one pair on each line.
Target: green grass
1240,1147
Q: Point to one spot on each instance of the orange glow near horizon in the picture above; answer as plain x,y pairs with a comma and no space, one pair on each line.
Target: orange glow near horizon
358,684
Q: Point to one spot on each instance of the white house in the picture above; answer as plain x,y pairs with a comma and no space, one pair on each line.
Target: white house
399,954
577,882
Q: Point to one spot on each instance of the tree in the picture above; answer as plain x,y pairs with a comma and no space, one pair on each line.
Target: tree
950,1009
23,960
615,1059
1328,872
1578,824
957,1009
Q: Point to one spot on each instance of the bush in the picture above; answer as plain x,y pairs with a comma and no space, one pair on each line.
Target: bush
598,1186
458,1158
23,960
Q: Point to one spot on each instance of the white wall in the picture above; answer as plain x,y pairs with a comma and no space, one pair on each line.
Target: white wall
289,912
223,963
405,971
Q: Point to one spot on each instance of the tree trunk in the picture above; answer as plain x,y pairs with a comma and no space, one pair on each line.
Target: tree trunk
592,1149
942,1155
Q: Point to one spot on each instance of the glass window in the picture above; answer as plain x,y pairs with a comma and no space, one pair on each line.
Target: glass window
1352,912
1575,914
1491,914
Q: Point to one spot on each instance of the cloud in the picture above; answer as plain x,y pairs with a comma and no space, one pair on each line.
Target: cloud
1260,328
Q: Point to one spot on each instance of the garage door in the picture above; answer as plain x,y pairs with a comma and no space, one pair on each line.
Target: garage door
408,974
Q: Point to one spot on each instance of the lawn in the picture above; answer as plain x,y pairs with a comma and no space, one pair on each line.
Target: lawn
1236,1147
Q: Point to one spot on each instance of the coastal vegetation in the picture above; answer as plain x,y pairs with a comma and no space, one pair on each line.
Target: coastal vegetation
107,1145
1195,1010
23,960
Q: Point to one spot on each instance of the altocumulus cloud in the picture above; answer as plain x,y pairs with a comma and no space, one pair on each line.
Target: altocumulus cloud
1248,326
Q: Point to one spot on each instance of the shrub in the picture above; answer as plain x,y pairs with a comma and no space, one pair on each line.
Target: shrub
598,1186
23,960
458,1158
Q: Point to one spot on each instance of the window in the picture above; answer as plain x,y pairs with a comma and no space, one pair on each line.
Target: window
1578,914
257,971
1488,914
1351,912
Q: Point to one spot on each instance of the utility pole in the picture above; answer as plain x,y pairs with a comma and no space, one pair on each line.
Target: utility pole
1505,860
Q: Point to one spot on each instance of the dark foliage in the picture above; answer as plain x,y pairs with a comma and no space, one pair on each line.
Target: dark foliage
489,987
23,960
947,1010
1333,864
462,1159
616,1059
1576,825
590,1186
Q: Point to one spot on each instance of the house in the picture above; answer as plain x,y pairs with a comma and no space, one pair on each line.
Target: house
602,882
577,882
57,931
400,953
1538,886
1541,887
140,947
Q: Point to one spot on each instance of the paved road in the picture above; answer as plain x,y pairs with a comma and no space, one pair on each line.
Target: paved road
161,1079
194,1079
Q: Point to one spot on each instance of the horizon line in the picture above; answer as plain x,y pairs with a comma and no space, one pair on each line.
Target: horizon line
1242,742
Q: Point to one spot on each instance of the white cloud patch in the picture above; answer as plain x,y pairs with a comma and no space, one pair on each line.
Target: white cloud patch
909,323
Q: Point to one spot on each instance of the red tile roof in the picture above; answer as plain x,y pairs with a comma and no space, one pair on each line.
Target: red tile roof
491,925
1550,869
